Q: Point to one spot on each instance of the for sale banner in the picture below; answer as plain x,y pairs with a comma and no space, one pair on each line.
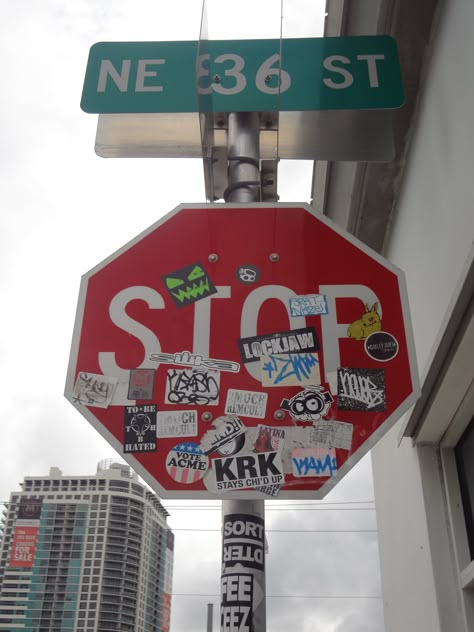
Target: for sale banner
23,547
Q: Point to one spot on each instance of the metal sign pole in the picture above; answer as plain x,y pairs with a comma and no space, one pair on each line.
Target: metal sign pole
243,537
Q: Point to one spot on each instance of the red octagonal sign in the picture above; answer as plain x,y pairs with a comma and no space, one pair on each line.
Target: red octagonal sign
236,351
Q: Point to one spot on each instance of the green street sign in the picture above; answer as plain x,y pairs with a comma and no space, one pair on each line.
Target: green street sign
328,73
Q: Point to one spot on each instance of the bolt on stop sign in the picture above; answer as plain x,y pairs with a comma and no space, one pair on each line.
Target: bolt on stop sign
237,351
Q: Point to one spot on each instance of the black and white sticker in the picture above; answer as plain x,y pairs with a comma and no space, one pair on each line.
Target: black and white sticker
140,428
302,340
243,542
246,403
237,602
381,346
249,470
361,389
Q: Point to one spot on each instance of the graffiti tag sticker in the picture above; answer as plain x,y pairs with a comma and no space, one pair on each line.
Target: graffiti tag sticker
308,305
225,436
290,369
248,274
177,423
314,462
92,389
246,403
140,385
189,284
381,346
186,463
361,389
196,387
302,340
188,359
308,405
139,428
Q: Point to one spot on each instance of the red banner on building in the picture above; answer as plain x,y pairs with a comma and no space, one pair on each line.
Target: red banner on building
24,546
166,613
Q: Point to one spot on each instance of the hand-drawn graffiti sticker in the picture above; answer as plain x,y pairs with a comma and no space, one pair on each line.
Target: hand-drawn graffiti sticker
314,462
367,324
361,389
247,274
381,346
226,436
189,284
92,389
290,369
141,382
186,463
195,387
246,403
308,305
308,405
140,428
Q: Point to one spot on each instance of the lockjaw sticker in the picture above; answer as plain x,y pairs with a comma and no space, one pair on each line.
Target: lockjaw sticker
290,369
189,284
308,405
361,389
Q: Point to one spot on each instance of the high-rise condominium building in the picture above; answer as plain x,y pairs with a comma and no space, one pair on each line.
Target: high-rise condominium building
85,553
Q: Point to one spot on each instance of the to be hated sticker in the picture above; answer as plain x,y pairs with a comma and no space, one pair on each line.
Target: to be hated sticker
140,428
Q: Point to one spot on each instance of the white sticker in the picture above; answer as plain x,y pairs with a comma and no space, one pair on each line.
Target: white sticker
196,387
314,462
177,423
225,431
92,389
290,369
248,470
308,305
246,403
332,434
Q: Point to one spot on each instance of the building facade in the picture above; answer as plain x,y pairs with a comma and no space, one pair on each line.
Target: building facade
417,210
85,553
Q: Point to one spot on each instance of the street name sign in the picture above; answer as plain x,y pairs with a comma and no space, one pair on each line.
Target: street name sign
235,351
329,73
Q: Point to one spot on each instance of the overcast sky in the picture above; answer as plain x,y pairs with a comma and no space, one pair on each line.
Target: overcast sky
63,210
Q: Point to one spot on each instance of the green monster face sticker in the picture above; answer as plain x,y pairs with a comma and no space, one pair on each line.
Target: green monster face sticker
189,284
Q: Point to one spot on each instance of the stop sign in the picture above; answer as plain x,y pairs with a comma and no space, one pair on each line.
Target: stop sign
237,351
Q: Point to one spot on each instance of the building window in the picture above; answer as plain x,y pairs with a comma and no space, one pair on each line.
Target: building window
464,453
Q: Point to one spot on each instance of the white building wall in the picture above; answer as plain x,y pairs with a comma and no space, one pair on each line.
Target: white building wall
431,239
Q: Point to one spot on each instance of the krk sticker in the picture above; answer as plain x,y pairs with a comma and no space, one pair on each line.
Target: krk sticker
189,284
226,436
177,423
92,389
290,369
249,470
269,439
141,383
295,341
308,405
197,387
186,463
361,389
140,429
314,462
308,305
381,346
248,274
246,403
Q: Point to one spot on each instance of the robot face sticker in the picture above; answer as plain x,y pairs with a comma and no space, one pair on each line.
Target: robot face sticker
189,285
308,405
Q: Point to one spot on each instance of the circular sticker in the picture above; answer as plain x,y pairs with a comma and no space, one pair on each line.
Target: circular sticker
248,274
186,463
381,346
